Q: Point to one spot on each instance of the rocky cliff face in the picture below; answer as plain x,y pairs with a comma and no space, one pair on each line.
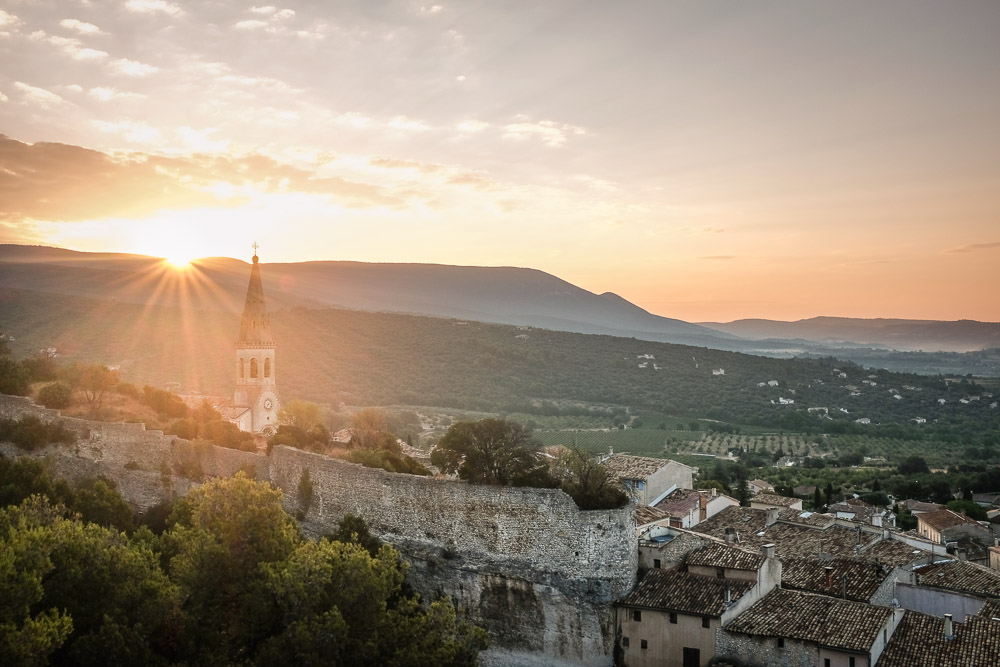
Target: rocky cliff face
534,570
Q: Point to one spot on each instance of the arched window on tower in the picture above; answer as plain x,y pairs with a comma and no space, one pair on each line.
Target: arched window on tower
242,369
267,367
253,367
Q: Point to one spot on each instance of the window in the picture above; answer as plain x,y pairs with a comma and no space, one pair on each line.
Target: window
673,617
625,642
640,485
242,364
643,643
705,621
720,572
850,661
267,367
253,367
636,615
826,662
656,563
781,642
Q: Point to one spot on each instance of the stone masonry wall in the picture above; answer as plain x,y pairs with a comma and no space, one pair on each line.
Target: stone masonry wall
527,564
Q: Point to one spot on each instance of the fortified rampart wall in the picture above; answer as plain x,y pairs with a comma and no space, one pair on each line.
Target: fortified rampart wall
527,564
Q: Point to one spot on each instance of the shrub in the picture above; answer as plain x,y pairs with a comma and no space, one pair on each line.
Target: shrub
30,432
56,395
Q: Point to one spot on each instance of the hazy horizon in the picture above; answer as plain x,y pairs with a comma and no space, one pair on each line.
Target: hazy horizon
706,161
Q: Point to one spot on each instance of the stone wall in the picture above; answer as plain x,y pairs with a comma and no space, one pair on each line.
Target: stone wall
527,564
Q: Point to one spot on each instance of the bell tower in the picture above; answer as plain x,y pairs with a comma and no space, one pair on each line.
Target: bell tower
256,369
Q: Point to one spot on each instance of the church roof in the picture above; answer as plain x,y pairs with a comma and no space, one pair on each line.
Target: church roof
255,326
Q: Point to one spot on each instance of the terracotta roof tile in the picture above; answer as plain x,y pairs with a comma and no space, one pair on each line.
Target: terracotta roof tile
680,502
842,624
920,640
944,519
855,578
672,590
961,576
645,514
724,555
772,499
626,466
894,553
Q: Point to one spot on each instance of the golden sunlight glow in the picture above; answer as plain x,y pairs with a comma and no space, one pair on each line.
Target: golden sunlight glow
179,261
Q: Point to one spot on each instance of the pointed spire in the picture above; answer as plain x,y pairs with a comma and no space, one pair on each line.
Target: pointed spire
255,326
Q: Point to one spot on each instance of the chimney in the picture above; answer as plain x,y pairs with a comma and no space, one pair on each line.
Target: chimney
767,550
730,537
715,492
727,596
948,634
772,517
829,576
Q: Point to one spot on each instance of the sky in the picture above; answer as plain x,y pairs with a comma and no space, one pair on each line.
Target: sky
706,160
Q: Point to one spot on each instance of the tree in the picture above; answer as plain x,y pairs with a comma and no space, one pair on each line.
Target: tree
488,451
95,380
913,465
301,414
55,395
817,499
370,430
587,481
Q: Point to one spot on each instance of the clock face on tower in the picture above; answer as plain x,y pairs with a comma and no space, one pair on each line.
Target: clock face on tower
268,403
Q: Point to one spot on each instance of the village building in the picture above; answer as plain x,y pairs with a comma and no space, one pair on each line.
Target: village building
922,639
756,486
951,587
915,507
856,509
765,501
948,525
255,403
648,480
672,616
795,628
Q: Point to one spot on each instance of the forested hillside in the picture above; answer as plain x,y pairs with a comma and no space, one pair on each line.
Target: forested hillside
358,358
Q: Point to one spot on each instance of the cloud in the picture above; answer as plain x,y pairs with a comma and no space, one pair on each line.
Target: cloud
472,126
57,182
395,163
46,99
131,68
105,94
718,257
81,27
153,7
250,24
974,247
266,10
70,46
433,9
9,20
408,124
548,132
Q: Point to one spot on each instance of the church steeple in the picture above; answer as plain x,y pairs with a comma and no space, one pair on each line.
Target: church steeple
255,326
256,362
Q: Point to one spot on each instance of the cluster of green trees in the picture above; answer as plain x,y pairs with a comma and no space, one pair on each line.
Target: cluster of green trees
503,453
229,580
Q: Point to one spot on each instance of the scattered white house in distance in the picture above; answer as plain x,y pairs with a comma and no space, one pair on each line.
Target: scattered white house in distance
863,420
718,371
772,383
919,420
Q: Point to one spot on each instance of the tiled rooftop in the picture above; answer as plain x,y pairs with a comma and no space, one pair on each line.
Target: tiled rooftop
894,553
920,640
991,609
772,499
921,506
671,590
806,518
790,540
851,626
855,578
680,502
626,466
961,576
944,519
645,514
724,555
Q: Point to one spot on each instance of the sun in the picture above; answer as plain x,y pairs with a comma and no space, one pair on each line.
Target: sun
179,261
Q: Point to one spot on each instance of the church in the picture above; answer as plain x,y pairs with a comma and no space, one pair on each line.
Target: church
255,403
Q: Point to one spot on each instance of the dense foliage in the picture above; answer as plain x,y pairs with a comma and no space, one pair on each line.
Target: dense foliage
229,581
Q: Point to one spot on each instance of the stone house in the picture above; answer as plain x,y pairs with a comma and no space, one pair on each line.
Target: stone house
855,509
647,480
946,525
672,616
922,639
763,501
796,628
756,486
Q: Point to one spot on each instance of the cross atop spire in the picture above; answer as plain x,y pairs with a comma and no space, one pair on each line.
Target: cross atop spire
255,246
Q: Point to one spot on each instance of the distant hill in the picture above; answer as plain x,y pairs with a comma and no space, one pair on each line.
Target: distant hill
332,355
504,295
927,335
